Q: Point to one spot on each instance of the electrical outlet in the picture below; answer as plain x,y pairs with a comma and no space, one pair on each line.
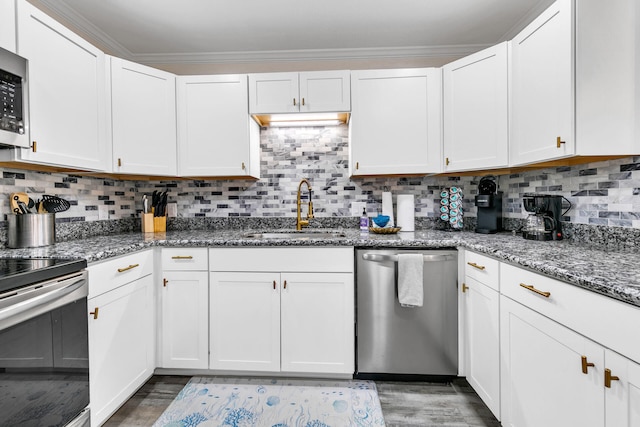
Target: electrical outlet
357,207
172,210
103,212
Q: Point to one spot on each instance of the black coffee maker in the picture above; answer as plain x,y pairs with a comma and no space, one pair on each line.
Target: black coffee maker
545,214
489,204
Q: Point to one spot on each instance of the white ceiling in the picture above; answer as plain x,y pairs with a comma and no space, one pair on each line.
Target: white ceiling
165,31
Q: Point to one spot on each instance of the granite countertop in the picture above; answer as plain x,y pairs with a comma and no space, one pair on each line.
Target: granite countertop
614,273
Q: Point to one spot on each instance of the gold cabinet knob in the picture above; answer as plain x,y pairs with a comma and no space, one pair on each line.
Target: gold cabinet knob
559,142
464,287
586,365
608,378
94,313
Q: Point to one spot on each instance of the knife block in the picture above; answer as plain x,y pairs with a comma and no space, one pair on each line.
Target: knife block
148,225
159,224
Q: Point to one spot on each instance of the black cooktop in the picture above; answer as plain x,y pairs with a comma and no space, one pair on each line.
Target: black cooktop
17,273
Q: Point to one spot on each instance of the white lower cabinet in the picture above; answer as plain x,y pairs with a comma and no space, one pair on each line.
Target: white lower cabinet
184,316
289,321
542,380
622,392
568,356
121,331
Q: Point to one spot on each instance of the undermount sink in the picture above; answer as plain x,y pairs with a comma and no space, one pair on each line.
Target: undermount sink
306,234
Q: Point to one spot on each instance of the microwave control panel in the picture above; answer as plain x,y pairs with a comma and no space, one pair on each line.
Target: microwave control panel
11,113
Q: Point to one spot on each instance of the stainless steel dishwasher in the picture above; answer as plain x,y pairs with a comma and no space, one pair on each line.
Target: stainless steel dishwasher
406,343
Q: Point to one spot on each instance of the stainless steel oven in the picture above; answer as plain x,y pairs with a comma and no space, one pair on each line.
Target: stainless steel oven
14,100
44,364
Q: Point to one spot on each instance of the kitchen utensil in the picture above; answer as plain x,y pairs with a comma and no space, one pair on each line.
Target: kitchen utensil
14,200
54,204
28,231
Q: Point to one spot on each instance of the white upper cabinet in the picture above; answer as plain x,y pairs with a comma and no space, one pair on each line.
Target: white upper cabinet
561,107
476,111
396,122
307,92
8,25
216,136
143,121
67,94
542,87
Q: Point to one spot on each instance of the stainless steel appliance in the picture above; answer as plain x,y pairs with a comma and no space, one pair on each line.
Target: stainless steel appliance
406,343
44,365
489,204
544,220
14,98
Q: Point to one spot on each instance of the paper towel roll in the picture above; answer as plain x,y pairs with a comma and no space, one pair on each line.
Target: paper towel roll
406,212
387,206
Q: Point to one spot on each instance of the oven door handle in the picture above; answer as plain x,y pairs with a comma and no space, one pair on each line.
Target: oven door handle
30,304
394,258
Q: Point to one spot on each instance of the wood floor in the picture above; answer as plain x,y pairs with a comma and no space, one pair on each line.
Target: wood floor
403,404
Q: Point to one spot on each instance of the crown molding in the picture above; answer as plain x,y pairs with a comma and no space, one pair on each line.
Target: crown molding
532,14
309,55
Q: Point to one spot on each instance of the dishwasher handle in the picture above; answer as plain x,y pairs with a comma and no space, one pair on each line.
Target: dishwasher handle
394,258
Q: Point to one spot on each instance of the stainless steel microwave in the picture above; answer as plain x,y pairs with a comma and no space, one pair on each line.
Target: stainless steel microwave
14,100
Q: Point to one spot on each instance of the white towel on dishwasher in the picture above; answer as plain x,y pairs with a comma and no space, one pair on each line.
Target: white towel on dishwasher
410,293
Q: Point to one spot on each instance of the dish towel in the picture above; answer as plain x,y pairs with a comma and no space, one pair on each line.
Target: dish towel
410,293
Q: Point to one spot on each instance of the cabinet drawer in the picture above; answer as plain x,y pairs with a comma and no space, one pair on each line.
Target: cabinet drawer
306,260
184,259
111,274
607,321
483,269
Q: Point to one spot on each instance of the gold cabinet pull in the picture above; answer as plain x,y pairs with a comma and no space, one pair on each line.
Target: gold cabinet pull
357,165
559,142
294,102
274,285
285,284
34,146
303,101
120,270
586,365
94,313
182,257
446,161
537,291
119,162
608,378
243,166
164,282
474,265
464,287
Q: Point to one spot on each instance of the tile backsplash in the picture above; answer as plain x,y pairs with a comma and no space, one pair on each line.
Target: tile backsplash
604,193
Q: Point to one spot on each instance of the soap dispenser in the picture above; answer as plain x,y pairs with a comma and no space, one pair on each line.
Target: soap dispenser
364,220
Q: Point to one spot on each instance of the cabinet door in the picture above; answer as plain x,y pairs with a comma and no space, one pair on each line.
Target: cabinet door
66,94
273,93
542,87
542,380
325,91
143,119
623,397
482,342
185,319
395,122
216,136
245,321
476,111
120,346
8,25
317,322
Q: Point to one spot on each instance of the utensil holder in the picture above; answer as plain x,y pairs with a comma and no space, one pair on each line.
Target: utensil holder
31,230
148,225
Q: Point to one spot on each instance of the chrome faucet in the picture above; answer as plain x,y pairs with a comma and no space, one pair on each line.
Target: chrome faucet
299,221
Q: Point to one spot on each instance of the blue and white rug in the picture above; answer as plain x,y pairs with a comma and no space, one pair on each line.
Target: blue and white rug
239,402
